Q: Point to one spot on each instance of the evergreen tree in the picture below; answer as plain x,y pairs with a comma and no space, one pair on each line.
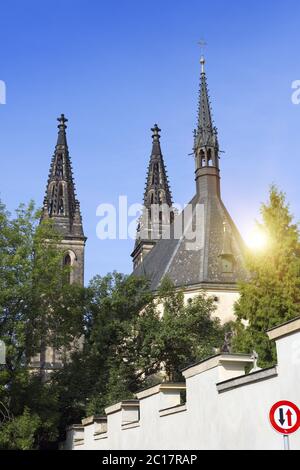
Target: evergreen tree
271,296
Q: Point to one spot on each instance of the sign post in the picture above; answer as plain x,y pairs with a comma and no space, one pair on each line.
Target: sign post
285,419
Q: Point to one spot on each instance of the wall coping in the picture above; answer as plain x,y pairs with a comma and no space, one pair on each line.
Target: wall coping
172,410
122,404
92,419
253,377
100,435
134,424
284,329
163,387
74,427
216,361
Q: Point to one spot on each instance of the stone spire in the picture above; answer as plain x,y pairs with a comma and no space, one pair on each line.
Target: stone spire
158,212
157,190
206,146
62,206
60,201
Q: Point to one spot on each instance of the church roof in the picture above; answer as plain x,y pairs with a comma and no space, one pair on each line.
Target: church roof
187,263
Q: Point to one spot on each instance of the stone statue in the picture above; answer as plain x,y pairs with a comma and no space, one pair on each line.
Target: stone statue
226,348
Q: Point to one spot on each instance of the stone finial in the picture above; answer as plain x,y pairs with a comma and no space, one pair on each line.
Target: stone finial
155,130
62,121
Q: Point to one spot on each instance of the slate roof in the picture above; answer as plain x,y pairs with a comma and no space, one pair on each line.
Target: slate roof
203,265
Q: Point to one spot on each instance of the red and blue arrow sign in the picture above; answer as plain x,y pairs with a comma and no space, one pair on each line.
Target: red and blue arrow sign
285,417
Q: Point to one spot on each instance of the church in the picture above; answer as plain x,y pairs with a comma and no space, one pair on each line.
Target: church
215,265
218,405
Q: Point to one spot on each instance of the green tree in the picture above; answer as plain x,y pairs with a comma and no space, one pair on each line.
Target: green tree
272,294
37,307
131,344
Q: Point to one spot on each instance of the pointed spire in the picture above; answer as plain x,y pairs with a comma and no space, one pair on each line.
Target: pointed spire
206,146
158,211
60,201
157,189
206,132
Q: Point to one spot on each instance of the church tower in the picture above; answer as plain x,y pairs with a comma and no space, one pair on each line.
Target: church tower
61,205
157,211
215,262
206,146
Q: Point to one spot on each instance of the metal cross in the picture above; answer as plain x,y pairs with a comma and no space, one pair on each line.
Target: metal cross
202,43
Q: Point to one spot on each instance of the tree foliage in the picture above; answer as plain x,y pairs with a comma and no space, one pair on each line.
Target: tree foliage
131,337
37,307
271,296
134,339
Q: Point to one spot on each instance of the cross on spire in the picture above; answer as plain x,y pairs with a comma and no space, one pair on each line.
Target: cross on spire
156,132
202,43
62,121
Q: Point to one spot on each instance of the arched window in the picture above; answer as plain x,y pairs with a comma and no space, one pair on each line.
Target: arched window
202,158
59,167
61,208
67,260
209,160
67,264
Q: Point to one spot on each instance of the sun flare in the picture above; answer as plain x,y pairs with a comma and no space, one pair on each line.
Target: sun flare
257,239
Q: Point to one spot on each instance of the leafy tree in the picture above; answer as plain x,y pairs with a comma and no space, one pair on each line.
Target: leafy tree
131,344
187,332
131,337
272,294
37,308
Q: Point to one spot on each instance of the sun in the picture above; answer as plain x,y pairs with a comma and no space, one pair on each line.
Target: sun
257,239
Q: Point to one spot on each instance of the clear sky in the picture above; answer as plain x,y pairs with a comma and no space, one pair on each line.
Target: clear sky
115,68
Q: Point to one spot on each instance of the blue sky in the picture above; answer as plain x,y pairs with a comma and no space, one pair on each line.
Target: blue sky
115,68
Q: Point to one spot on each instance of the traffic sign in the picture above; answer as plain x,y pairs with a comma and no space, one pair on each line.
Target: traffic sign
285,417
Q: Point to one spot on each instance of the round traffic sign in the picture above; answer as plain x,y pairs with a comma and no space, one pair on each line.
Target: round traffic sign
285,417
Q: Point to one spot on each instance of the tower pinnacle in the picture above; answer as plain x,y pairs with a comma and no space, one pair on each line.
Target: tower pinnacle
60,201
157,202
206,146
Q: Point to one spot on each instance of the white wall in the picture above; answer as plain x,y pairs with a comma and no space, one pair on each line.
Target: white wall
231,414
225,303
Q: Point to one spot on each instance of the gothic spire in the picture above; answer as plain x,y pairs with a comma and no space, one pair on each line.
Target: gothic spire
157,213
206,132
206,146
60,201
157,190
